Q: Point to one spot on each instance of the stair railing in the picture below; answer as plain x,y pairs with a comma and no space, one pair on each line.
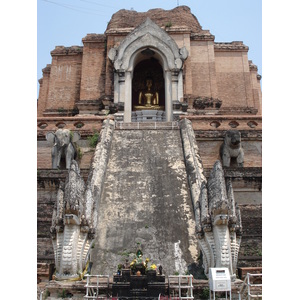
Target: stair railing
93,288
245,289
183,282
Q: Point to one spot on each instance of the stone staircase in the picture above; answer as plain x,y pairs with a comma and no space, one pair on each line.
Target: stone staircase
145,202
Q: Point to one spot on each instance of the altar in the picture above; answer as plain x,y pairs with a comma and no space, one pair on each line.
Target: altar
148,115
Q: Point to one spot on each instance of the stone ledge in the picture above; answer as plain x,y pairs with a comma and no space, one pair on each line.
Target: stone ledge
94,38
243,172
147,125
232,46
57,175
62,50
220,123
218,135
242,271
202,36
86,125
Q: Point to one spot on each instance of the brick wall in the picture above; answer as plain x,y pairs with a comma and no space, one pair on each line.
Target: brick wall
202,68
109,75
233,79
46,197
93,68
257,95
64,85
43,93
250,254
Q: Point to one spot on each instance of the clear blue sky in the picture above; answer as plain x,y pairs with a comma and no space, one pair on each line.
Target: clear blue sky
66,22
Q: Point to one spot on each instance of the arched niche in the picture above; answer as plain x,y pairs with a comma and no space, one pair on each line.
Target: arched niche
145,69
127,56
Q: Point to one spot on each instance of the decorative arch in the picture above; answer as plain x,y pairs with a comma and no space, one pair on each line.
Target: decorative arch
147,37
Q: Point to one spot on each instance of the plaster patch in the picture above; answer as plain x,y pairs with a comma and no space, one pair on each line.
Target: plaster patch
180,264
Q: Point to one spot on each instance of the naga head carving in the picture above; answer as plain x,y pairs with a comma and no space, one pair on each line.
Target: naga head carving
221,227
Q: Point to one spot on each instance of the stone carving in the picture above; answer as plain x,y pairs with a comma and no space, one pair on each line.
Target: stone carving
72,233
75,212
112,54
232,148
221,229
147,33
207,103
63,141
183,53
217,216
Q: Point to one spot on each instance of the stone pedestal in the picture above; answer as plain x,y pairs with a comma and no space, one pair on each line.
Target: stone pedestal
148,116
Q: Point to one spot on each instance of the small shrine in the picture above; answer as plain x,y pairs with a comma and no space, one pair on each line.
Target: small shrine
139,279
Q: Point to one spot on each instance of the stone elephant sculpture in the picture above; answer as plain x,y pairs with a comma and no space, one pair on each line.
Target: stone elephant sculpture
63,146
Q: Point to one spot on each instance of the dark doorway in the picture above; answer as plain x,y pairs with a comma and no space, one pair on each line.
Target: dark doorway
149,68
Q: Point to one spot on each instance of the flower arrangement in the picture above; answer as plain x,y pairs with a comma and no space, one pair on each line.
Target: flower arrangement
138,264
153,267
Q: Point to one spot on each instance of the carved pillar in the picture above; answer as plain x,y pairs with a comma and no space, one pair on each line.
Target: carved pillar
180,86
127,100
175,85
168,93
116,88
121,88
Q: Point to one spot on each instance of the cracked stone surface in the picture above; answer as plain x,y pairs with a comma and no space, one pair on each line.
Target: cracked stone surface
145,200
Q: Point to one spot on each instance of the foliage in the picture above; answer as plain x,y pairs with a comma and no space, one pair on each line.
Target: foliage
168,24
62,294
126,253
79,152
46,294
61,110
79,125
93,140
204,293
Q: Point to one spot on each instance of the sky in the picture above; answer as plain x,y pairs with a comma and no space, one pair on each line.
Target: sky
66,22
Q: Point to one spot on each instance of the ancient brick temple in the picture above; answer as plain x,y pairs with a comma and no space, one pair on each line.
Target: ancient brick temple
147,73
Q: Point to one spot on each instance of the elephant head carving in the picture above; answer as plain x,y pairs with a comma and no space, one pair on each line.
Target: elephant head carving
63,146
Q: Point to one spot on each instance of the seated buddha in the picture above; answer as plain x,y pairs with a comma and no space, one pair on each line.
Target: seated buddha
149,98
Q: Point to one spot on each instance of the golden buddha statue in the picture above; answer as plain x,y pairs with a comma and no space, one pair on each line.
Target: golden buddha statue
148,98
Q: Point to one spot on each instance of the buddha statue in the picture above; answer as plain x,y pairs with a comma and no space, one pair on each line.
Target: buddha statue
149,98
